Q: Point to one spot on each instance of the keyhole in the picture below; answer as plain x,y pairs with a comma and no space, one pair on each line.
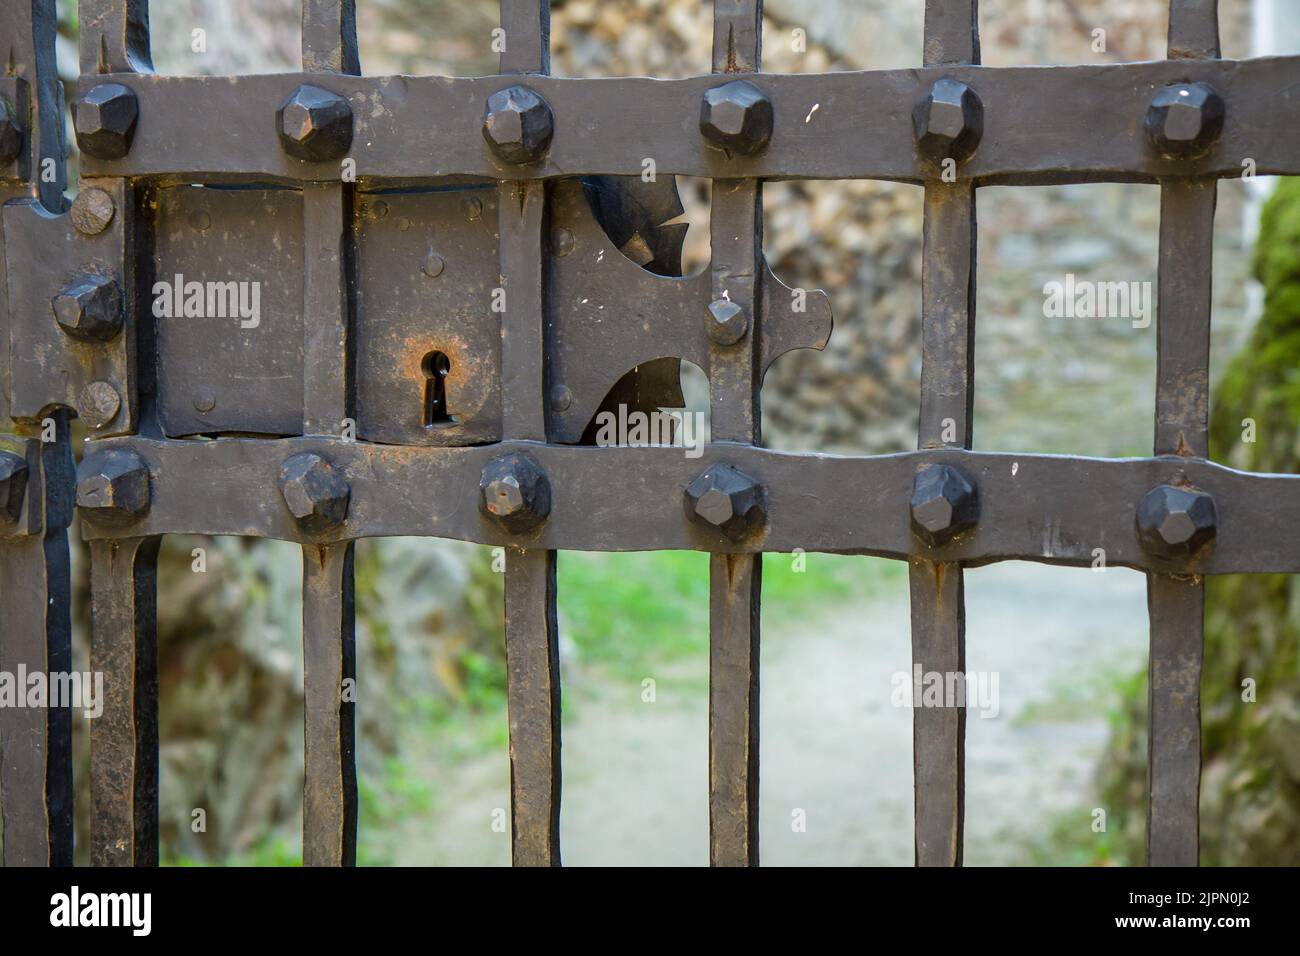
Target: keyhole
435,366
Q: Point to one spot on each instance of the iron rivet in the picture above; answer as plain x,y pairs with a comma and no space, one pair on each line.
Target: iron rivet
316,495
473,210
89,308
518,125
104,120
515,493
433,265
737,117
949,122
92,211
113,486
98,404
945,503
204,400
1185,119
728,323
561,398
200,221
314,124
562,241
1176,522
727,499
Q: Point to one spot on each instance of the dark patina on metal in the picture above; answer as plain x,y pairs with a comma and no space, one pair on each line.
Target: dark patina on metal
436,337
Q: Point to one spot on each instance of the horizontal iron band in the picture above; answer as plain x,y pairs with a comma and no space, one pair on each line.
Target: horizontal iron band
1041,125
1047,508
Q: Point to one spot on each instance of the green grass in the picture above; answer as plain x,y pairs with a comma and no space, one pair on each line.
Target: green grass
625,611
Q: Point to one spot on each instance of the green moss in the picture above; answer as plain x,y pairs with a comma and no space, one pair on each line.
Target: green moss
1250,794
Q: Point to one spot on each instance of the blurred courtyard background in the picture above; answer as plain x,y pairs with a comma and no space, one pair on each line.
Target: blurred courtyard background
1069,645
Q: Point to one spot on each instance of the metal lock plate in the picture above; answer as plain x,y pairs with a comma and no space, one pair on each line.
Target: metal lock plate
44,256
428,343
229,265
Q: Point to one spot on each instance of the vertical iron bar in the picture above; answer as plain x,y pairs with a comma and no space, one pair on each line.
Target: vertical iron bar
329,807
735,581
937,589
532,648
1183,337
329,811
533,661
1194,29
329,37
114,36
124,738
1176,605
36,795
27,35
952,32
527,28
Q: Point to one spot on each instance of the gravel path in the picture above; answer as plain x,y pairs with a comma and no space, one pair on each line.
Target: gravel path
834,750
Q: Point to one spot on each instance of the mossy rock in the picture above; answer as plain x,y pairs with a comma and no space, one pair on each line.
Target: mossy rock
1250,792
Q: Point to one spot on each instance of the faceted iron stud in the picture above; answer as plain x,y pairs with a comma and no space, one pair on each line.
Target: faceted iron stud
518,125
727,322
515,492
317,496
11,132
90,308
1185,119
13,486
113,486
737,117
944,504
727,499
105,121
315,125
1176,522
949,122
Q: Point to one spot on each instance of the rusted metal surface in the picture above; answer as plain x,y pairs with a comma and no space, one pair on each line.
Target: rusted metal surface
815,502
36,744
532,631
1041,125
945,503
124,738
455,275
1176,602
36,474
329,809
218,372
735,120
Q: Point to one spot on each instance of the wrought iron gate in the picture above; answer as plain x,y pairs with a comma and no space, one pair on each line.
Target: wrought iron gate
457,274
